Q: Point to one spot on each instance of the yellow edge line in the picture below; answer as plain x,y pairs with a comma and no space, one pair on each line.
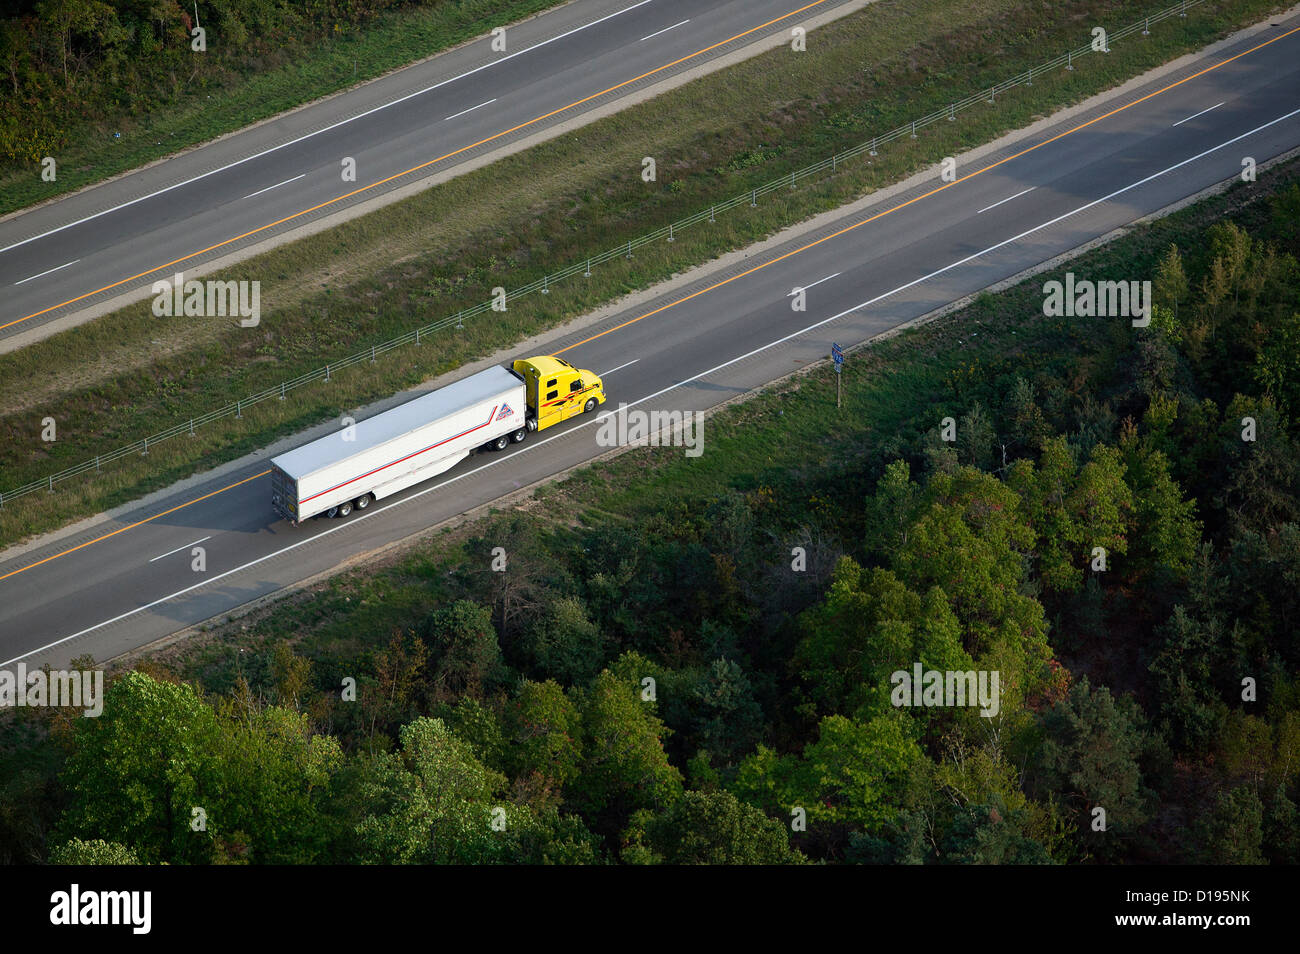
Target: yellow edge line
423,165
132,526
756,268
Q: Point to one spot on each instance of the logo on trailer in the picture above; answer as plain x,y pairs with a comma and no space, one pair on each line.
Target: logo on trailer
505,412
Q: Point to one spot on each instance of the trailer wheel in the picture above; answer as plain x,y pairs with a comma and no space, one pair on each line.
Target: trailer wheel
345,508
364,501
589,406
519,435
501,443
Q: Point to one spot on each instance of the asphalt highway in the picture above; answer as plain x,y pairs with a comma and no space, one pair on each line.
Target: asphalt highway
733,330
244,190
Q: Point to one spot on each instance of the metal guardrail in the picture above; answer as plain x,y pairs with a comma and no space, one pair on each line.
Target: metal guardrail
543,285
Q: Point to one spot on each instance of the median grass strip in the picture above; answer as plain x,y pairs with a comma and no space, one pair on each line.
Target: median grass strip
115,380
238,84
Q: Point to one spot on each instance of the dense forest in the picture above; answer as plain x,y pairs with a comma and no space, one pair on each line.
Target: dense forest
679,689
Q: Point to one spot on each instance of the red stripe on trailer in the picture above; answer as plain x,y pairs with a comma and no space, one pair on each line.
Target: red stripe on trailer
400,459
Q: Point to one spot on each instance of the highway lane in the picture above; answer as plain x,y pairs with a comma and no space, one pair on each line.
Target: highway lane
124,235
727,332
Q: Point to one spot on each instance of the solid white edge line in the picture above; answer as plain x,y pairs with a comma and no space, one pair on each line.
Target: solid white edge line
621,367
341,122
47,271
1007,199
471,109
276,186
180,548
1201,113
650,397
663,31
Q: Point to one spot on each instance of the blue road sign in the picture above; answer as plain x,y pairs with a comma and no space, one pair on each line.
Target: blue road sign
837,353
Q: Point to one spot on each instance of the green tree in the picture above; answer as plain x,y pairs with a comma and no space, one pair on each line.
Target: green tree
711,828
1044,489
430,803
1170,285
1091,756
854,773
275,776
973,543
1025,419
990,834
624,766
1232,832
465,649
890,512
163,773
1168,531
1190,650
543,735
96,851
726,718
136,773
564,644
868,626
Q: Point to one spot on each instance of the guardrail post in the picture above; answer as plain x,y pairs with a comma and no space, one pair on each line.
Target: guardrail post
991,94
587,273
145,452
952,113
670,231
913,128
832,162
545,288
753,199
872,151
1146,30
97,463
417,336
281,390
711,219
1184,13
327,372
792,180
629,248
372,354
239,410
191,427
460,325
1029,77
51,483
1069,60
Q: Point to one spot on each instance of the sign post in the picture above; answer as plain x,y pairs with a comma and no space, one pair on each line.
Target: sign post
837,353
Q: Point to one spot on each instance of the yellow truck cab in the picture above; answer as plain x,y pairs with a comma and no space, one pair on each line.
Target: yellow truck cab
556,390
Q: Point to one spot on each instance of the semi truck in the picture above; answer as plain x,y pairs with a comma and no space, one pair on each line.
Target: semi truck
398,448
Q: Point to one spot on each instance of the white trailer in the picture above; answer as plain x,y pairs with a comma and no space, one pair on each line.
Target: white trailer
391,451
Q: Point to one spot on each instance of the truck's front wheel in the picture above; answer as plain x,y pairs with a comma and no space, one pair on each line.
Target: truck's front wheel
589,406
